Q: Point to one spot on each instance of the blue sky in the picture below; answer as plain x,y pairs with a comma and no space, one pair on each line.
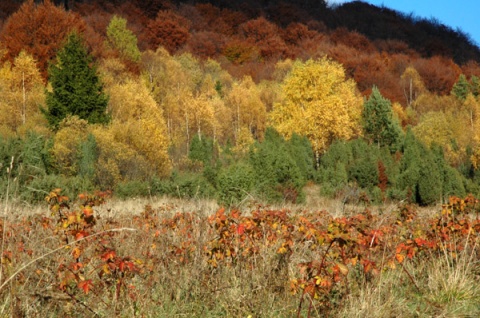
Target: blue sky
462,14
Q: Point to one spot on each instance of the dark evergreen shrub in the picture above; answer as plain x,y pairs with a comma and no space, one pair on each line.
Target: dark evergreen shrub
183,185
276,172
130,189
76,88
379,124
235,183
301,151
430,182
365,172
453,183
201,149
39,187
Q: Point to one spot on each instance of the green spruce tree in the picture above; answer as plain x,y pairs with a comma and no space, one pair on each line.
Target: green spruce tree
409,171
461,88
277,173
379,125
475,85
76,88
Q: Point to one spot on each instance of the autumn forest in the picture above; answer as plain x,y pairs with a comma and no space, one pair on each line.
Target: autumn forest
234,100
166,158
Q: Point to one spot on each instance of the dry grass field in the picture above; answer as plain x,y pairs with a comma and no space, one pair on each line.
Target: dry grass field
162,257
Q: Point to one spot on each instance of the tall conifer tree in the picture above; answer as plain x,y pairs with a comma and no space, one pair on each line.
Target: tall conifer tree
461,88
378,122
77,89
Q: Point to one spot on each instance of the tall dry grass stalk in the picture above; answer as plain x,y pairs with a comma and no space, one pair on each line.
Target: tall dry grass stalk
444,287
5,214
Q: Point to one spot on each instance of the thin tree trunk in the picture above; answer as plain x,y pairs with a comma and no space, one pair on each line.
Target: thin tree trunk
238,122
187,132
411,92
199,130
24,106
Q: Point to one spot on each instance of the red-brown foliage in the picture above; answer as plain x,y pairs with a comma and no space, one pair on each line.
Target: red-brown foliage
438,73
296,33
96,20
382,176
137,20
284,14
198,22
231,19
95,42
368,71
209,14
205,44
266,37
39,30
397,63
251,33
394,47
471,68
257,71
240,51
169,30
217,20
352,39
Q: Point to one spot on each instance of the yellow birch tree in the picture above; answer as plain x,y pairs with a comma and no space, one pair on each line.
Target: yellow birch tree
247,108
319,103
22,92
412,85
138,122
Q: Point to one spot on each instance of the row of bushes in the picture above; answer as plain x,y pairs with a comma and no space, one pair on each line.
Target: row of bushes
414,172
271,171
274,170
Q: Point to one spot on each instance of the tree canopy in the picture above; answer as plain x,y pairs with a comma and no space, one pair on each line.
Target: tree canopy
76,88
379,125
319,103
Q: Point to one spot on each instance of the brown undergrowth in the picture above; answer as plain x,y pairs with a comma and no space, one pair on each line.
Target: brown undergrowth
85,260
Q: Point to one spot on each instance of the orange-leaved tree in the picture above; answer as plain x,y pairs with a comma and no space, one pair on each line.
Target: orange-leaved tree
40,30
169,30
265,35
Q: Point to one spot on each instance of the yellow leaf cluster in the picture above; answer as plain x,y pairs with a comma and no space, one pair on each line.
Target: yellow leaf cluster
133,146
473,107
138,122
186,93
22,91
412,84
445,119
247,109
436,127
244,141
116,161
72,131
319,102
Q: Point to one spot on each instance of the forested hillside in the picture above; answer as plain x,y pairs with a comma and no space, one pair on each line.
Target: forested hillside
236,100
